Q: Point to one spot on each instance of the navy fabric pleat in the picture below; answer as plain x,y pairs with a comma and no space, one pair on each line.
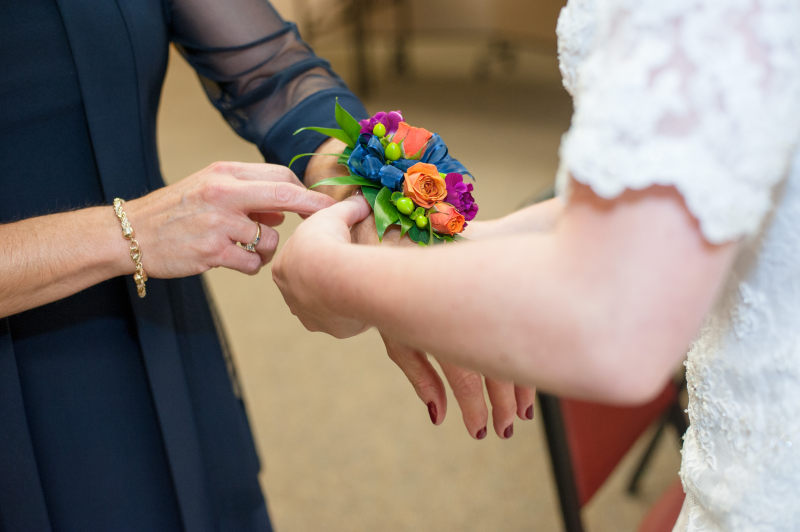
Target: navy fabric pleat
22,504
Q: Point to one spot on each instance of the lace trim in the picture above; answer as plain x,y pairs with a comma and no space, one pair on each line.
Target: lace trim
702,97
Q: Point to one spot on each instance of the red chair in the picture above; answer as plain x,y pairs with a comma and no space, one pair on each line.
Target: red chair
587,440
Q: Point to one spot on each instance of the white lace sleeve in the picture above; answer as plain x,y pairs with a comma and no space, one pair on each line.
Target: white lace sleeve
700,95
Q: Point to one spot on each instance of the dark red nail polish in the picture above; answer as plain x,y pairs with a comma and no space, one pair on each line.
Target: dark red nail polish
509,431
432,412
529,412
481,433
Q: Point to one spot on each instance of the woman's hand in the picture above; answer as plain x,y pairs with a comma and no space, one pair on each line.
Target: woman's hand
182,229
467,385
300,273
309,289
193,225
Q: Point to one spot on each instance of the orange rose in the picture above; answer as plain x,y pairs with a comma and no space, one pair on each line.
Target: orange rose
414,139
446,219
424,185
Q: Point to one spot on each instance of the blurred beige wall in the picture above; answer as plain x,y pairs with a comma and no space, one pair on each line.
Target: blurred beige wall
518,18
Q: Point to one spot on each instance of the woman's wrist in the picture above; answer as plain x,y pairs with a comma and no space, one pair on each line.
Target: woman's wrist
322,166
108,251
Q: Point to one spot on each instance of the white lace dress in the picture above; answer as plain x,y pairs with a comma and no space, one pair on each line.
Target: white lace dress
705,96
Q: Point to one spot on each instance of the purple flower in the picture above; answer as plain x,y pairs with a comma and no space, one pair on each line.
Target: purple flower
391,120
459,195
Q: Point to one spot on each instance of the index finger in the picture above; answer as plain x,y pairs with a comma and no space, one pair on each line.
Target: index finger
258,172
266,196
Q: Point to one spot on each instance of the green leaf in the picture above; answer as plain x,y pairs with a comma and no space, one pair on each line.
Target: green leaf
405,224
443,238
299,155
347,180
396,195
386,214
345,155
420,236
330,132
349,124
370,193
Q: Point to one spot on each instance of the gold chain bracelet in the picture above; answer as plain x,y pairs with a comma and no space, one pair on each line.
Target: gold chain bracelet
139,276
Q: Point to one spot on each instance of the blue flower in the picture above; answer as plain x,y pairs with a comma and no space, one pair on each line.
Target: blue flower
436,153
392,177
368,160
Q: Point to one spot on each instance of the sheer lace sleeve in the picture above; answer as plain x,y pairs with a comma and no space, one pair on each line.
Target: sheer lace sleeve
259,73
704,96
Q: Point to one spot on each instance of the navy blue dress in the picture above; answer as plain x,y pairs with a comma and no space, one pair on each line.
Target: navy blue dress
118,413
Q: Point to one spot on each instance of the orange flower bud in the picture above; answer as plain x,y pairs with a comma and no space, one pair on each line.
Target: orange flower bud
424,185
414,139
446,219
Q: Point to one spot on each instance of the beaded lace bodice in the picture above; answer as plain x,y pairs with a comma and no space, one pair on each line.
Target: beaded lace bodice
705,96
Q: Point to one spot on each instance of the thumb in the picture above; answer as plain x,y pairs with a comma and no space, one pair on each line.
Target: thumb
349,211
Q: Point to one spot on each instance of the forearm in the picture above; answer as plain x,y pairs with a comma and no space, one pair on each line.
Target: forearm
518,326
603,306
539,217
47,258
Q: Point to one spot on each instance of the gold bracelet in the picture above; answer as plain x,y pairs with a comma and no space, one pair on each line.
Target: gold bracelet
139,276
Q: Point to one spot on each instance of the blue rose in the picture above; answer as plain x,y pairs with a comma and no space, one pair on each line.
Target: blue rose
436,153
367,158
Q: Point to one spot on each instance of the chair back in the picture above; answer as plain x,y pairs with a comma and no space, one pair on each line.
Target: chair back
587,440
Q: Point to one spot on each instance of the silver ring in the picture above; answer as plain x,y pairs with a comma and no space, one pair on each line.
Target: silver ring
251,246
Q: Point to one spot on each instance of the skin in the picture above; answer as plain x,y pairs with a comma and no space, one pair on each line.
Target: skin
506,399
190,227
597,299
183,229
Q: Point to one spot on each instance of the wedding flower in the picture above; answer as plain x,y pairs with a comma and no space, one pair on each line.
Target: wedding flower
414,139
390,120
459,195
424,185
445,219
437,153
401,170
367,158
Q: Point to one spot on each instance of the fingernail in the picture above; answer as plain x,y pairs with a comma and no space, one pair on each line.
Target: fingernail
509,431
432,412
481,433
529,412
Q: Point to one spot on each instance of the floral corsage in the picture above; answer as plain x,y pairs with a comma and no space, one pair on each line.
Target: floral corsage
405,173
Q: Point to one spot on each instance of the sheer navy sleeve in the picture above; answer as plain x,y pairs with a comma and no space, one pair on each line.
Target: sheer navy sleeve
264,79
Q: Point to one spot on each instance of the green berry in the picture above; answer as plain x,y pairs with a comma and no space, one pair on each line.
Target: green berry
422,222
419,211
393,151
379,130
405,205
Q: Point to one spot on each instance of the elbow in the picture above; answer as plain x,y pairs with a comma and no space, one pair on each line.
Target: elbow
630,373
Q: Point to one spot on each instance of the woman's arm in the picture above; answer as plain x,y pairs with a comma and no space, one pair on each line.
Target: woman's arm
264,79
533,218
183,229
47,258
602,306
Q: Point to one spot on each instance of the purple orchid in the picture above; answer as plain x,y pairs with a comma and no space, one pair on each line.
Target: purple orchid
459,195
391,120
